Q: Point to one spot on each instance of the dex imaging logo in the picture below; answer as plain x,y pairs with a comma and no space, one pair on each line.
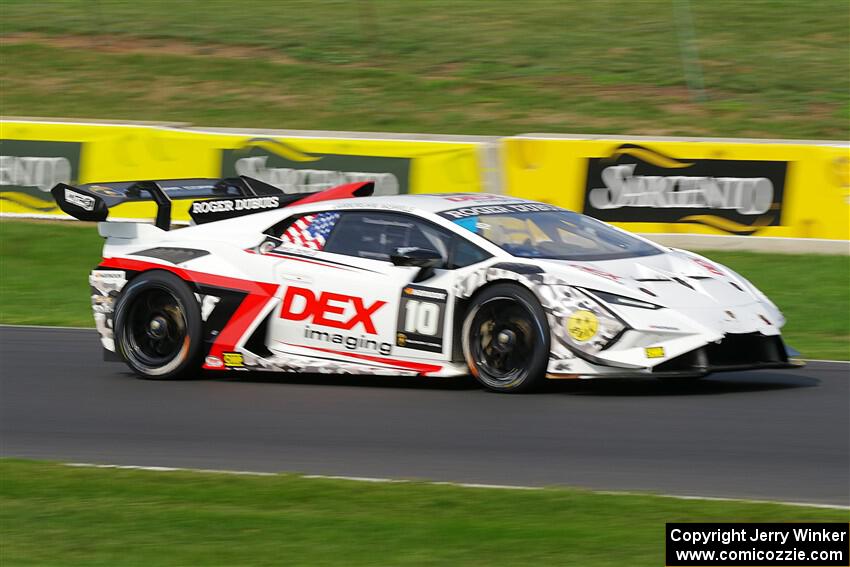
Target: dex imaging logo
638,184
330,309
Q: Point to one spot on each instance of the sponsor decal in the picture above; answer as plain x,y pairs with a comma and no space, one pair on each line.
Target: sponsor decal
85,202
425,292
639,184
329,309
596,272
462,197
105,287
233,360
310,231
217,209
350,342
213,362
654,352
582,325
293,170
336,310
29,169
104,275
709,267
421,316
227,205
467,212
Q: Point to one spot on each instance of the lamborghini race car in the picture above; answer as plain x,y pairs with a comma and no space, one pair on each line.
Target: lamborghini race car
339,281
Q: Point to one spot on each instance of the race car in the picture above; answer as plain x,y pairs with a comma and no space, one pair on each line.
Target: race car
340,281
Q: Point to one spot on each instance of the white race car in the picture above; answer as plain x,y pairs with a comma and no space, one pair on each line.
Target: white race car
339,281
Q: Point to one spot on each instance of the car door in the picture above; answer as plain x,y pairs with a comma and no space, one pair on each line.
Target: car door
343,297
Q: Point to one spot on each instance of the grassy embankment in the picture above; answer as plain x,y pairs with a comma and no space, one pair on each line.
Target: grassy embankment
44,268
459,67
52,514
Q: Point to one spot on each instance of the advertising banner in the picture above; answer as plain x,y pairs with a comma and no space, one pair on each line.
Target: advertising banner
303,164
34,156
30,168
286,166
723,187
663,186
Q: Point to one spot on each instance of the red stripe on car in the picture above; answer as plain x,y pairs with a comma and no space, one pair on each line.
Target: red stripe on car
404,364
258,296
306,261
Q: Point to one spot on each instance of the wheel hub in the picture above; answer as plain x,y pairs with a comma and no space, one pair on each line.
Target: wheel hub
158,327
505,340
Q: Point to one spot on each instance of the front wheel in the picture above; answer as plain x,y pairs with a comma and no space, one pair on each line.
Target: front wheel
506,339
158,327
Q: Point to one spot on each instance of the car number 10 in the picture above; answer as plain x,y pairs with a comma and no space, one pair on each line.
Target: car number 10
421,317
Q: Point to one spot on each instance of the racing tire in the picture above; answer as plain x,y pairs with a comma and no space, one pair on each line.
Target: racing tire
505,339
158,329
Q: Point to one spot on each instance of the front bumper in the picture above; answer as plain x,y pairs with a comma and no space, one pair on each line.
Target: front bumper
734,352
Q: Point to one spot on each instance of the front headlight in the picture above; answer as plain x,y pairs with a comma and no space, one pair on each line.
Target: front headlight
580,321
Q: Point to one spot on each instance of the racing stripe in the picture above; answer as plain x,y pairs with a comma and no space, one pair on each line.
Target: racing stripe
398,363
318,262
258,295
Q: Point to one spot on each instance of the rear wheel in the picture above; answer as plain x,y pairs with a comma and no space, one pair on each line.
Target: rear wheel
158,327
506,339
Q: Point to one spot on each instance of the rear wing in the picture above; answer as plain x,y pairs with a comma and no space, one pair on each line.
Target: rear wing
216,199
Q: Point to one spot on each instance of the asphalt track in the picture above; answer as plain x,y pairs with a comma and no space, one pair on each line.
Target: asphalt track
777,435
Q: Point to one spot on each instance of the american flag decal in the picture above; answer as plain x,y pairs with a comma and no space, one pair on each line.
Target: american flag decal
310,231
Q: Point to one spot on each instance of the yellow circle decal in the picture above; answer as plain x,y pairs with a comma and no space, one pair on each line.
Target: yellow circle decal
582,325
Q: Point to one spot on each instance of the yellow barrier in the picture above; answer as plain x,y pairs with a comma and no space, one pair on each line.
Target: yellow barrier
798,190
782,189
34,156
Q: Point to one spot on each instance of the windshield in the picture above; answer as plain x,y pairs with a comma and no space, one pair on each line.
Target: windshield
556,234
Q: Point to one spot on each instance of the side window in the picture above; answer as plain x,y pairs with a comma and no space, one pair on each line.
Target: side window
377,235
310,231
465,254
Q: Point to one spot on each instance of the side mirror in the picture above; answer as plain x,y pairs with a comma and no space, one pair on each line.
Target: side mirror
419,257
422,258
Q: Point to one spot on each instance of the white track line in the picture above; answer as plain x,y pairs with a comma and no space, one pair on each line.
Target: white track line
168,469
458,484
47,327
724,499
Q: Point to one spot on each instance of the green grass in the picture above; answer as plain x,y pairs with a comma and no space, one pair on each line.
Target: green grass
44,272
51,514
771,68
812,291
44,269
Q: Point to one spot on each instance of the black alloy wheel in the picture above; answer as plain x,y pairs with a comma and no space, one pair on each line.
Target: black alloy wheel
506,339
158,327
